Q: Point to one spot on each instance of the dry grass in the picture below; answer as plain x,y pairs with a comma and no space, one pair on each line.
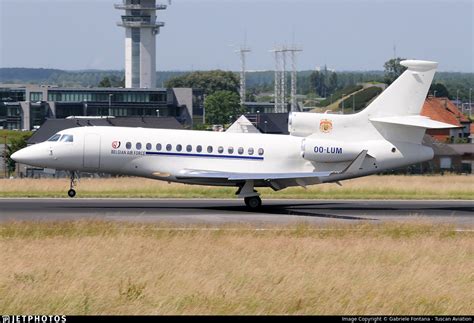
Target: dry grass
372,187
118,268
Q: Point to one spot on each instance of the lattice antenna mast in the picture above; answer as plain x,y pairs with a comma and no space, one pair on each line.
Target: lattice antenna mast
283,80
293,50
277,88
243,51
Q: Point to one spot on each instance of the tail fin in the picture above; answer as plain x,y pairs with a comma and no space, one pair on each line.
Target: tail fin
405,96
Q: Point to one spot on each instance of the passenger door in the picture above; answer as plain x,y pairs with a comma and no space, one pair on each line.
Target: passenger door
92,151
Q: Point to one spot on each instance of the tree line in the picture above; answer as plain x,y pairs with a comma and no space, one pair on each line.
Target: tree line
321,83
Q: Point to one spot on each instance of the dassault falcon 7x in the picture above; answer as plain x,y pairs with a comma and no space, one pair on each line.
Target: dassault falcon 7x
320,147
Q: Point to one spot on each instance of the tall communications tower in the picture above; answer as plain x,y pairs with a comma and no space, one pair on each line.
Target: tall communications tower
276,96
280,79
141,28
293,50
243,50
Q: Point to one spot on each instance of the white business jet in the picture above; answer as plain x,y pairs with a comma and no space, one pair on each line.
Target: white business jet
321,148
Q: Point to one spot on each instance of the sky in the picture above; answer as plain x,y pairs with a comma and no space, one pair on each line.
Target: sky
204,34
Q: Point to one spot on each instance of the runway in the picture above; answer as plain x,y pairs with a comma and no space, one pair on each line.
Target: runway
226,211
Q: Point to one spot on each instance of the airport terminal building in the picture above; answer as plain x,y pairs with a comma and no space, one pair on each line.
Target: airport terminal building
27,107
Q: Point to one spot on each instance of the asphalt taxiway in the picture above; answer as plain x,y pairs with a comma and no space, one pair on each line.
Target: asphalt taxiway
223,211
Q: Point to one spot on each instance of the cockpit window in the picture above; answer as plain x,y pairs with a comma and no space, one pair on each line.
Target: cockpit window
55,137
67,138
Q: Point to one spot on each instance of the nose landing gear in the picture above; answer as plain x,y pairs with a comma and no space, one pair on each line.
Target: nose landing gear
72,191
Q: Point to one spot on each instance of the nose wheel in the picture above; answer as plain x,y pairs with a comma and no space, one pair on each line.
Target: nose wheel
72,191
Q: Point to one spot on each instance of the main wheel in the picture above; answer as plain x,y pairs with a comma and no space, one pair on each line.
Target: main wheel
71,193
253,202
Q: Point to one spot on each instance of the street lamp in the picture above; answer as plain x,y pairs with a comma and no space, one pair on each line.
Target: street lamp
203,109
457,98
470,103
203,114
265,122
110,103
342,112
5,153
353,104
157,113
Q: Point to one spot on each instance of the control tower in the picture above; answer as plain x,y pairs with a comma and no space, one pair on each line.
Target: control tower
141,28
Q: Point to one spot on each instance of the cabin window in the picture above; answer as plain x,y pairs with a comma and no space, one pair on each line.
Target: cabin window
179,147
158,147
260,151
199,148
209,149
230,150
67,138
250,151
138,145
148,146
220,149
169,147
241,150
189,148
128,145
55,137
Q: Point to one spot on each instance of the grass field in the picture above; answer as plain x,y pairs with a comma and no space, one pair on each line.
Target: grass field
372,187
119,268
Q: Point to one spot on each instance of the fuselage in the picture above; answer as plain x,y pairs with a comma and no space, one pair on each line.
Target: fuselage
164,154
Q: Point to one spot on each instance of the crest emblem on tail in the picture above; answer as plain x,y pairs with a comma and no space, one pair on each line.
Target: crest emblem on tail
325,125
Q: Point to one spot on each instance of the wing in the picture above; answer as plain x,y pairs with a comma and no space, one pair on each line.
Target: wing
276,180
234,176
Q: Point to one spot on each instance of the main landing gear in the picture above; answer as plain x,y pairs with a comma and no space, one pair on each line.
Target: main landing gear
251,197
253,202
72,191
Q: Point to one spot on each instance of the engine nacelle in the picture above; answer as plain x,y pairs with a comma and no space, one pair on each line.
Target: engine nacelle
329,151
300,124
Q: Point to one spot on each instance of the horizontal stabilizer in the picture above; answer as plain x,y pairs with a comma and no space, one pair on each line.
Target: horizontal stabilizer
415,121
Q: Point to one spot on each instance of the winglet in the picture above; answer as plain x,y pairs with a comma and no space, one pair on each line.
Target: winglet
356,164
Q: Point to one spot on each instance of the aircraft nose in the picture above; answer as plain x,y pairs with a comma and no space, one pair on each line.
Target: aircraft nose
23,156
26,156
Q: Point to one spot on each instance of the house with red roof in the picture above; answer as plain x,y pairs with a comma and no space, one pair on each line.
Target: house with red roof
453,148
443,110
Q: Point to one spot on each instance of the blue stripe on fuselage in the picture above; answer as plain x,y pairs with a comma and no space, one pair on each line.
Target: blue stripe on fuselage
203,155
